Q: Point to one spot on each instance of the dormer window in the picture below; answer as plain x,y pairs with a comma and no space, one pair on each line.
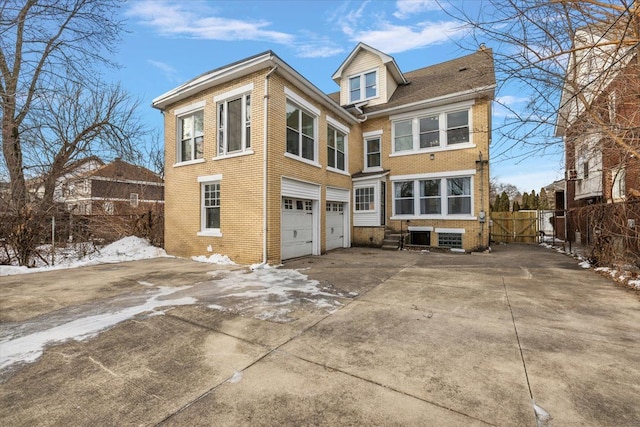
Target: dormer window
363,86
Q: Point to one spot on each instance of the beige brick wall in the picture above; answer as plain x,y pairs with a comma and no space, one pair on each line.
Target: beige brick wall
476,234
242,177
240,188
280,165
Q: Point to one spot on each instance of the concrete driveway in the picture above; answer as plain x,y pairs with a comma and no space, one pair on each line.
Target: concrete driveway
369,338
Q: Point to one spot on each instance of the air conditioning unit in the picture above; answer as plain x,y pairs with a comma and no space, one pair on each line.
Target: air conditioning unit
572,175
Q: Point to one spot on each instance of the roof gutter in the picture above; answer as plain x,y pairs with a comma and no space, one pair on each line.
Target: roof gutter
433,102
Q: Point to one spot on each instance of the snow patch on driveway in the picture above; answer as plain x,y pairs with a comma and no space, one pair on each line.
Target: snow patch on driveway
28,348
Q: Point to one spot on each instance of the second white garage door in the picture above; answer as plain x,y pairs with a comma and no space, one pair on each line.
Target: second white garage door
335,225
297,227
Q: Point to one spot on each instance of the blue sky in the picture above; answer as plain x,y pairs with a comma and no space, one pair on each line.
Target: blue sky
170,42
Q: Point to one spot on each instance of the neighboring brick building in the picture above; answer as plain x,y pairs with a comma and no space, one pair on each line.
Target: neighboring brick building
116,188
599,120
262,166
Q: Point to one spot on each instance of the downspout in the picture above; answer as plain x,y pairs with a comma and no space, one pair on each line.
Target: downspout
265,227
359,110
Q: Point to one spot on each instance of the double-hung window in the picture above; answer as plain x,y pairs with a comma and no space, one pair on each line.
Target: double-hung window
404,202
363,86
372,156
234,120
191,131
459,195
424,132
335,148
430,200
433,196
210,206
301,132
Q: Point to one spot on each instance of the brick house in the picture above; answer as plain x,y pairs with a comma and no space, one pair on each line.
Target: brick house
599,123
116,188
263,166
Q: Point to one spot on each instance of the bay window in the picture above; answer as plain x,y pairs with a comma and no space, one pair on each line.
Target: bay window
365,198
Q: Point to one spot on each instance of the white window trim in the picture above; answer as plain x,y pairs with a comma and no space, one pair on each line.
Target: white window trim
443,176
231,95
188,162
234,93
366,139
363,86
297,99
303,104
451,230
442,112
188,109
419,228
331,122
202,180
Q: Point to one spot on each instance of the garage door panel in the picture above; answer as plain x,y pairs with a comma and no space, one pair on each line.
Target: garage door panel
296,228
334,225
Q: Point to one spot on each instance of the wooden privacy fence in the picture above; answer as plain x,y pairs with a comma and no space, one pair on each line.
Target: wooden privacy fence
510,227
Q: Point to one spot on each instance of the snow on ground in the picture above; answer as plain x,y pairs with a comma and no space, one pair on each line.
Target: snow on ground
621,275
28,348
265,293
214,259
128,249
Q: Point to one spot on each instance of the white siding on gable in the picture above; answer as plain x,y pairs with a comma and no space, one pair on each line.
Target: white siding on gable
365,61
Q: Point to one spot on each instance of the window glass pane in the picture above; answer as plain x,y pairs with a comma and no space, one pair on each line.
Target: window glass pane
373,145
235,126
340,161
430,205
340,141
247,114
354,88
212,219
293,120
307,124
403,137
185,150
198,126
307,148
430,187
198,142
187,127
450,240
459,205
370,85
458,186
373,160
331,138
458,127
331,157
429,132
404,197
293,142
457,119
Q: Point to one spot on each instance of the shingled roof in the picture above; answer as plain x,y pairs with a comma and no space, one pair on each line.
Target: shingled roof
468,73
119,169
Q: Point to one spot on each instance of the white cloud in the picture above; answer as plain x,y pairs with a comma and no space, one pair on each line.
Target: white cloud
311,50
511,99
405,8
169,72
198,21
396,38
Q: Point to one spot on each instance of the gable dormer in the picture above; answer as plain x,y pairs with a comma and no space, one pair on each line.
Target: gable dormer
367,76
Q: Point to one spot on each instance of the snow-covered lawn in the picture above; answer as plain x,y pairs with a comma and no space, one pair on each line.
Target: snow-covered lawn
128,249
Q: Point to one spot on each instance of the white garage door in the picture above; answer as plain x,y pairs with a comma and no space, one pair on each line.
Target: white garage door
297,227
335,225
